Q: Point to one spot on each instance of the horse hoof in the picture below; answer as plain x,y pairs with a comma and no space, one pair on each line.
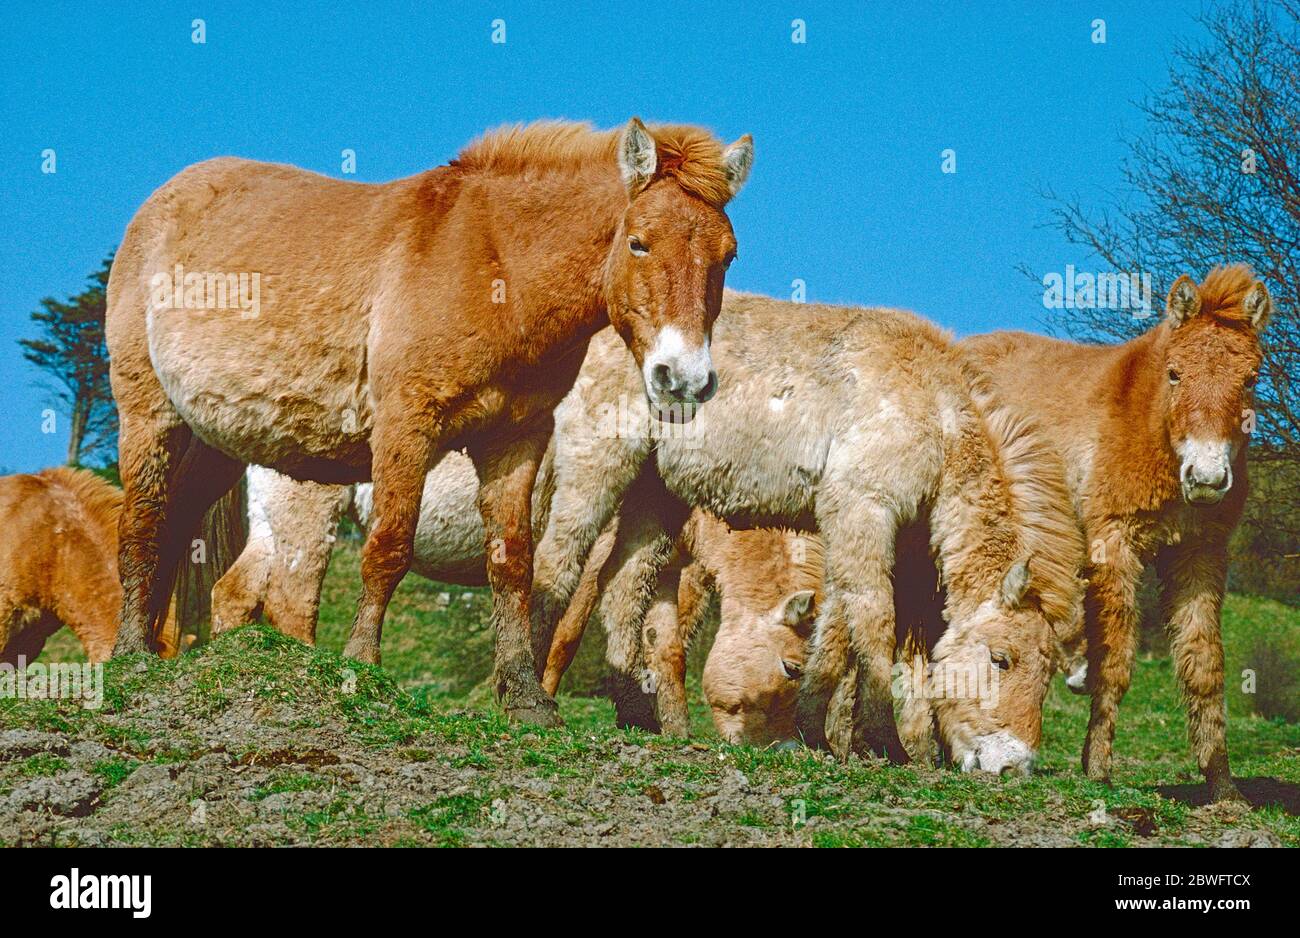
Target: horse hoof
362,652
545,715
1223,791
675,728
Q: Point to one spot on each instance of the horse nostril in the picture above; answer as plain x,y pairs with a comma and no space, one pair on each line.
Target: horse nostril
661,376
710,388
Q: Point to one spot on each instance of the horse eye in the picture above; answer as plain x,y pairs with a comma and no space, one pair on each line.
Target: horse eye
791,670
1174,376
635,245
1001,660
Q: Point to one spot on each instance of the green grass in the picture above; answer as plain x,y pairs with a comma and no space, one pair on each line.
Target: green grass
430,695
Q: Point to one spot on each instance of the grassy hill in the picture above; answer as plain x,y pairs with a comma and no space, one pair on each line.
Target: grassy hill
257,739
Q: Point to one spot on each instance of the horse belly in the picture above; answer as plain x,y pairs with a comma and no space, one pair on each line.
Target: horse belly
760,460
262,394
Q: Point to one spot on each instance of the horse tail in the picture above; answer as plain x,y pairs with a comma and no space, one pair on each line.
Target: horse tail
224,534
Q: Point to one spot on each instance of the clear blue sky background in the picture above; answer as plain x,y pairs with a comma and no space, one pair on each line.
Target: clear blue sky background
846,193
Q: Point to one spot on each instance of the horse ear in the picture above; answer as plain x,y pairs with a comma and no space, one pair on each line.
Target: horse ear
797,608
1015,584
737,161
1258,306
637,156
1184,301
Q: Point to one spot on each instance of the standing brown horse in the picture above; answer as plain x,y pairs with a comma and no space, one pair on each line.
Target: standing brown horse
1155,433
377,326
58,564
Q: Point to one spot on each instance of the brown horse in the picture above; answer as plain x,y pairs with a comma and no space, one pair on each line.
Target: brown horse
58,564
1155,433
378,326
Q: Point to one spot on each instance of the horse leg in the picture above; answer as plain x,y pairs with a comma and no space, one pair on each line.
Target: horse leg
506,476
668,652
401,456
694,591
590,476
826,668
568,634
241,590
170,480
150,449
1192,579
303,546
649,523
860,564
1111,622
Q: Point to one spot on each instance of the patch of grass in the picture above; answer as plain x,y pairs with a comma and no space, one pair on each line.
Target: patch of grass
447,817
291,781
42,764
115,771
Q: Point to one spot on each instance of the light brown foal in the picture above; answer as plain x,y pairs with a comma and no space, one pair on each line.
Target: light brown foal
1155,432
377,326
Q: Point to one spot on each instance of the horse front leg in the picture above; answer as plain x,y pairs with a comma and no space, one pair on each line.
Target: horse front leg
1192,580
401,457
506,476
589,476
663,635
1111,624
861,607
646,543
568,634
827,667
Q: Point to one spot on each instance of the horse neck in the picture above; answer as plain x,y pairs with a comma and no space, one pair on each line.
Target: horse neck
973,525
91,600
1135,395
553,233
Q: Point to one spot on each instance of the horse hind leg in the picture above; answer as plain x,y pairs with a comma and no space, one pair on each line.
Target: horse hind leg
150,450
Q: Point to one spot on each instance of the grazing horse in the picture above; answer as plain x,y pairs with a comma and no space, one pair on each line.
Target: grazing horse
1154,432
856,423
58,564
769,581
378,326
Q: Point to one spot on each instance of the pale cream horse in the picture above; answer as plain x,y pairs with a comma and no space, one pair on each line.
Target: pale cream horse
853,422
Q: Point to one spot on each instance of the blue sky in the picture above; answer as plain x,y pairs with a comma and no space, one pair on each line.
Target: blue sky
846,194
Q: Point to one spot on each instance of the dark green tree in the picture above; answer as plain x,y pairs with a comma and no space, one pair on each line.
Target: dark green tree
71,350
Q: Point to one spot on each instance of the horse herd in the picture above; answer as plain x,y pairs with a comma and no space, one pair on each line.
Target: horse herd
431,355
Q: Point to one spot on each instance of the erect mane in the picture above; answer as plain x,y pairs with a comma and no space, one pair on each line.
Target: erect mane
1223,291
692,156
1048,528
100,499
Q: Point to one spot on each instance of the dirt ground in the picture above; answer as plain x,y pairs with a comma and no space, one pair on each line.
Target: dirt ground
257,740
